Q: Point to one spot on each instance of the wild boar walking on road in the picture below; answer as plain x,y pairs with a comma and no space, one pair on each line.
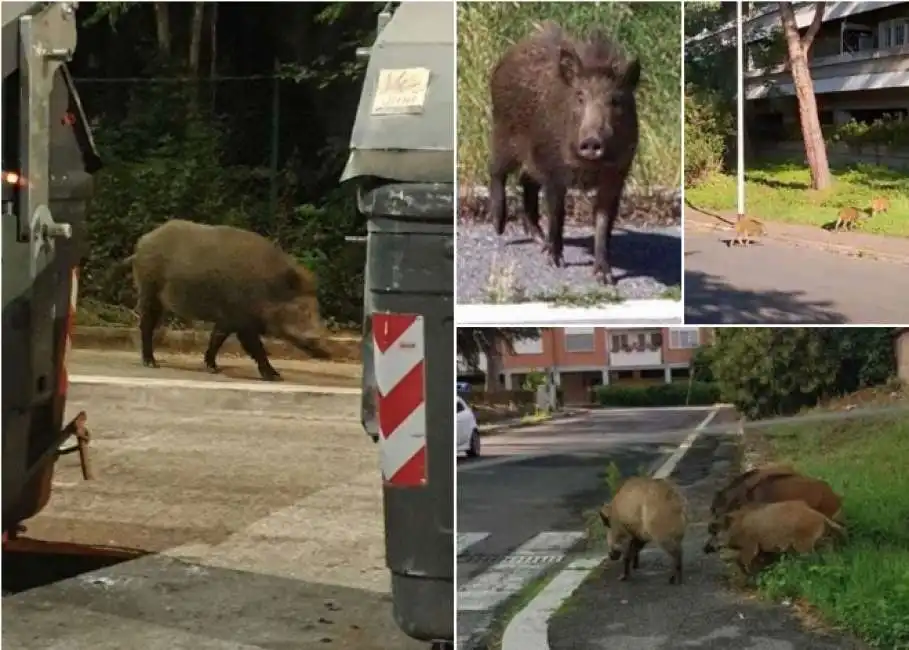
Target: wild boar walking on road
235,279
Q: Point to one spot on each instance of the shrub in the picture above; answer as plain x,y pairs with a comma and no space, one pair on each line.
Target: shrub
677,394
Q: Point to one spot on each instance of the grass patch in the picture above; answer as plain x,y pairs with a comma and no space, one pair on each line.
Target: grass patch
672,293
536,418
863,586
780,192
568,297
486,29
516,604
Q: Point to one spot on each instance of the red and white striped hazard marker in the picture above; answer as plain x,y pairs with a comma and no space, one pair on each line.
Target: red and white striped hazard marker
400,355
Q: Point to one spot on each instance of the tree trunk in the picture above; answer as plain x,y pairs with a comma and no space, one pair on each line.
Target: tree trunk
493,368
213,35
815,149
195,38
162,24
213,52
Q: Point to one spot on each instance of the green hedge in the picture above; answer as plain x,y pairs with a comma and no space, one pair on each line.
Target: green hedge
702,394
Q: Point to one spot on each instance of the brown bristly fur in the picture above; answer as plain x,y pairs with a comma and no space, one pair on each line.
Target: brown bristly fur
776,528
537,129
643,510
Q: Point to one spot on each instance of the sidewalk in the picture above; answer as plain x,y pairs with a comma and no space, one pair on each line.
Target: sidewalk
646,613
892,249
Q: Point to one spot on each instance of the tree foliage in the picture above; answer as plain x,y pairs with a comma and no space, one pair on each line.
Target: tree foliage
768,371
472,342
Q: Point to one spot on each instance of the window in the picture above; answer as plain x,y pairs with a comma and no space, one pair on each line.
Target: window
653,373
893,33
636,342
684,338
619,341
579,339
529,346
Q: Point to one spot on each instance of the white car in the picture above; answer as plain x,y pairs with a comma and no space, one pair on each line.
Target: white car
468,432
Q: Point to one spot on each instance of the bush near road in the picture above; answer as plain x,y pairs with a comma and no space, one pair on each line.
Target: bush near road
676,394
863,586
486,29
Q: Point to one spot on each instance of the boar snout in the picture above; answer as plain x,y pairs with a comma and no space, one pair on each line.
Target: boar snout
615,554
591,149
709,546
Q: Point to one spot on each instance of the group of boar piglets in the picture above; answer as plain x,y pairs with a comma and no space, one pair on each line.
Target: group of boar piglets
760,514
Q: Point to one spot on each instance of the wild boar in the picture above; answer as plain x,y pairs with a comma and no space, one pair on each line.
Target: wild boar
728,498
772,485
564,113
235,279
771,528
645,509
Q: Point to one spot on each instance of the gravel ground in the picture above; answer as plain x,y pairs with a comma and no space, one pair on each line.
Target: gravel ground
646,252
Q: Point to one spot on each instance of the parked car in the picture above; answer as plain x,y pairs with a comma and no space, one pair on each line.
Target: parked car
468,431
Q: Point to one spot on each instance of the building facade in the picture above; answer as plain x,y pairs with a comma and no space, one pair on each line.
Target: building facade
859,65
581,358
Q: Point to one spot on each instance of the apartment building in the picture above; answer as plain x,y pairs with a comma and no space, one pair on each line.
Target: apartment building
583,357
859,64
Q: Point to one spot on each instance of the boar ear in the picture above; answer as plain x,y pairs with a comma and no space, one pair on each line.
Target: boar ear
632,74
569,63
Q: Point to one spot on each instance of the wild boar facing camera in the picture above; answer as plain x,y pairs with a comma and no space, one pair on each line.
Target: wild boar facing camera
235,279
564,114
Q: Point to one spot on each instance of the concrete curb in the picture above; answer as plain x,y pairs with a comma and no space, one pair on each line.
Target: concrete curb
528,629
518,423
339,348
841,249
193,397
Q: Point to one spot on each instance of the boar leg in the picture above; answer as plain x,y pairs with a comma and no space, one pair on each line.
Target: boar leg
674,551
501,164
555,201
606,210
150,312
252,345
531,215
630,557
215,341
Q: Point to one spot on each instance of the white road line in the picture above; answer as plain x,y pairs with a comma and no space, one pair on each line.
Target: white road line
669,466
508,577
470,466
466,540
249,386
528,630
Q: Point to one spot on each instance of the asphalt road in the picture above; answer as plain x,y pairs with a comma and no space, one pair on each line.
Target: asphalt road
775,282
241,519
532,487
646,613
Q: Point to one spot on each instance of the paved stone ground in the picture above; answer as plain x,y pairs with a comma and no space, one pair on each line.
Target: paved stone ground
256,519
646,613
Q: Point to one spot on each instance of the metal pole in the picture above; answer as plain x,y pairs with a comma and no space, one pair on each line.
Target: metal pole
275,130
740,110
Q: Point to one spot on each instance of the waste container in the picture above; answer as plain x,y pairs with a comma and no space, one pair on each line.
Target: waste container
402,156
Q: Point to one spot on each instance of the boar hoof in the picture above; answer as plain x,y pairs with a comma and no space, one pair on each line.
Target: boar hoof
604,278
213,369
623,577
271,375
150,363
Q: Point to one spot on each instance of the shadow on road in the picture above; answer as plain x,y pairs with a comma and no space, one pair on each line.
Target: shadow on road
710,300
30,563
156,598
